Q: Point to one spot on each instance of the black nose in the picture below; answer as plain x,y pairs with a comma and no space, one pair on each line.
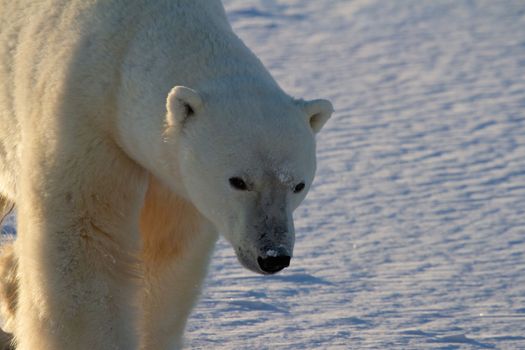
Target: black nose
273,264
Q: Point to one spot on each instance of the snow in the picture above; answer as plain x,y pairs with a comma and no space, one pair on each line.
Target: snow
413,235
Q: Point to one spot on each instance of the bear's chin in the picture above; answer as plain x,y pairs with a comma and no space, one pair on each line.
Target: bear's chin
247,262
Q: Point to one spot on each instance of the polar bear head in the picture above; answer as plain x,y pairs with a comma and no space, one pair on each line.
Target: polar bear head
246,160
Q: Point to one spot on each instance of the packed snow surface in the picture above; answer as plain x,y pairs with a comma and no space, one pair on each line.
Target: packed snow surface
413,235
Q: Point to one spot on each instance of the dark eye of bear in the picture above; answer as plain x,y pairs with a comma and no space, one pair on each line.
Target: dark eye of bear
238,183
299,187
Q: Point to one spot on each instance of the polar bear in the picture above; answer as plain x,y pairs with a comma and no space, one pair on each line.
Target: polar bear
133,133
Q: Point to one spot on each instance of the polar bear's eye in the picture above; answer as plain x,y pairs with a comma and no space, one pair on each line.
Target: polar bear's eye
238,183
299,187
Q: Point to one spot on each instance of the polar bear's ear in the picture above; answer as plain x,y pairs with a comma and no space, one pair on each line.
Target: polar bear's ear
317,113
182,103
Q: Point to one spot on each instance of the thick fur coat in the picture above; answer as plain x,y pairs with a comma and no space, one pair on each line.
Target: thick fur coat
132,133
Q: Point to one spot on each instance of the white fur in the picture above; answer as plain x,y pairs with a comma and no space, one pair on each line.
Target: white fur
114,115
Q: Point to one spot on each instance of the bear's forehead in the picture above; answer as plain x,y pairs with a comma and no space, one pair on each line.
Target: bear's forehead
262,137
254,108
277,169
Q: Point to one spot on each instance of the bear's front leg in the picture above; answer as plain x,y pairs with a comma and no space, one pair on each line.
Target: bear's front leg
77,245
178,242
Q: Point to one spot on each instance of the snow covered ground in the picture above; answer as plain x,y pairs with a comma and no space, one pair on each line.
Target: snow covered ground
413,236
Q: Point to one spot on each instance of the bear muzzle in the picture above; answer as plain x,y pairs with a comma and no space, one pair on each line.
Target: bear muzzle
274,260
